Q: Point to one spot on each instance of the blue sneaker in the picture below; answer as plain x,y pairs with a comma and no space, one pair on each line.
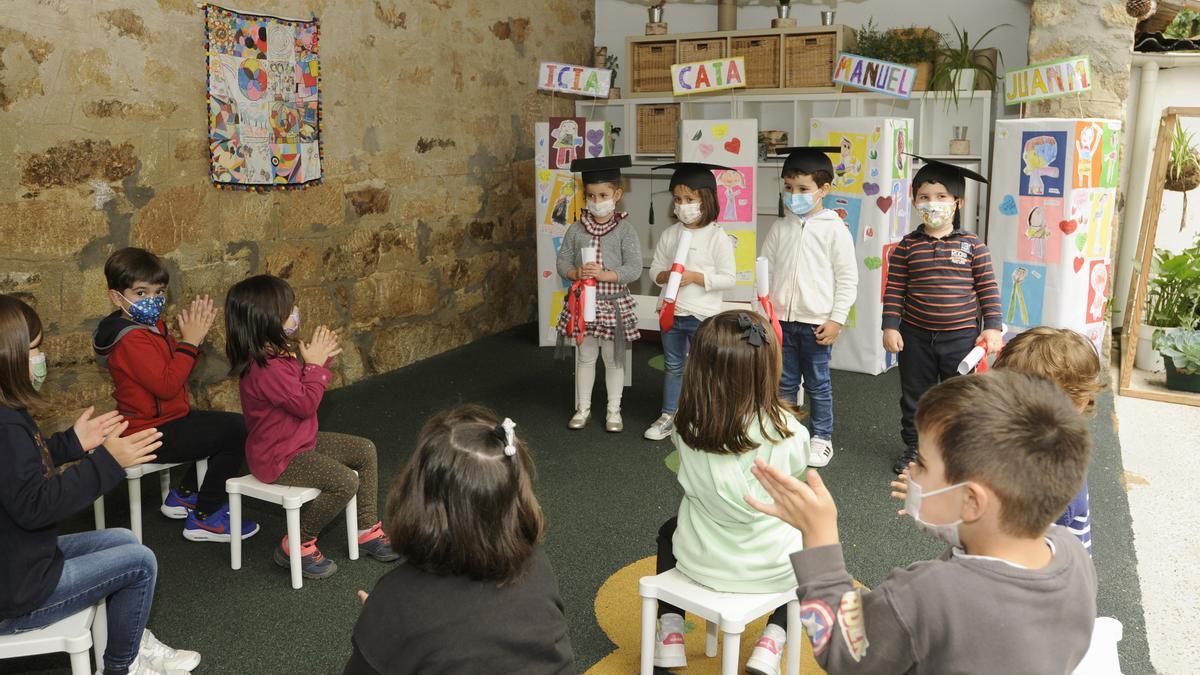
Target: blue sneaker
376,544
178,506
215,527
313,563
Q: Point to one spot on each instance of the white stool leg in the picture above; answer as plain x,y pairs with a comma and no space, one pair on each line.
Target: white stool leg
235,525
98,508
795,636
731,644
201,471
711,633
352,527
100,633
649,611
293,535
135,506
164,484
80,664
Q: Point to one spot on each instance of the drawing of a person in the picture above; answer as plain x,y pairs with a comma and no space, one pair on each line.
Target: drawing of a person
732,184
901,148
1037,233
566,140
1099,288
1017,297
1085,149
1039,155
848,166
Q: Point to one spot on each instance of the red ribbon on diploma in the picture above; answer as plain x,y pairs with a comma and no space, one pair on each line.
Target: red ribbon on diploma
666,315
575,323
769,310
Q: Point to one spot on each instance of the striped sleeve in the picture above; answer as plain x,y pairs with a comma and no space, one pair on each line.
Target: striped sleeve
986,289
897,284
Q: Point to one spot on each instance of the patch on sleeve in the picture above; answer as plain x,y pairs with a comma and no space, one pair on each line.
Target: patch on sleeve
817,619
853,624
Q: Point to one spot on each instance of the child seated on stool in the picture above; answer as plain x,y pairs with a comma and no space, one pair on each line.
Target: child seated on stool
1001,455
475,593
720,432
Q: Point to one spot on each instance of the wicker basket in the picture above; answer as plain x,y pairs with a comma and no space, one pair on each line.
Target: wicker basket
701,50
762,59
651,66
808,60
657,126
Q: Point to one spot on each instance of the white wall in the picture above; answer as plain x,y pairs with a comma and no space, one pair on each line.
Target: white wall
617,19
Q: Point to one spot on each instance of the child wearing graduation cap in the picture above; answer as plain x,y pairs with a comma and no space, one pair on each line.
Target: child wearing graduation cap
708,272
617,262
814,281
940,282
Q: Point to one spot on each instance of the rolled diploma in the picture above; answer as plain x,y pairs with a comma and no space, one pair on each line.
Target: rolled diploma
681,253
588,255
972,359
762,282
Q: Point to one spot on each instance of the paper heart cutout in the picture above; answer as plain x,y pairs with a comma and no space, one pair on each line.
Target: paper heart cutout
546,274
1068,227
719,130
1008,206
696,136
595,135
872,189
706,149
1078,263
870,232
544,175
734,145
884,203
1081,241
873,155
595,150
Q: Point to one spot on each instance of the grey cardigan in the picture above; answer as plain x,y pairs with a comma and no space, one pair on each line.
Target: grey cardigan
619,251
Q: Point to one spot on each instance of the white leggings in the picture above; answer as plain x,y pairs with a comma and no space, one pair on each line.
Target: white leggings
585,373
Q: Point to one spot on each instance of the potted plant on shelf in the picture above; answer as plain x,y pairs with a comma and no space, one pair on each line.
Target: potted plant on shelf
1183,168
610,62
912,46
962,67
1172,302
1180,350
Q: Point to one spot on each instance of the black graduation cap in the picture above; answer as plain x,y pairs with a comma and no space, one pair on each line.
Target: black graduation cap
695,175
810,159
601,169
954,177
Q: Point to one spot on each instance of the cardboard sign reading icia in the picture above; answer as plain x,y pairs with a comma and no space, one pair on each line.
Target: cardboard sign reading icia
1048,80
571,79
705,76
884,77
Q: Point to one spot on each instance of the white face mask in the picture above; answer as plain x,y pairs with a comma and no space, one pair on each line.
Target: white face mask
687,213
602,209
937,214
912,505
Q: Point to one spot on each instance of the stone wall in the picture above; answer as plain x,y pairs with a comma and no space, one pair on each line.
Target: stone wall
419,240
1100,28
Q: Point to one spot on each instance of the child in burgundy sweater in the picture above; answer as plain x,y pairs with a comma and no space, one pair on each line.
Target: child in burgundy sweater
150,369
280,396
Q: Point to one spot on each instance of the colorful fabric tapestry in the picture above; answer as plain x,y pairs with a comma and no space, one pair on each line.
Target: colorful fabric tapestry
264,100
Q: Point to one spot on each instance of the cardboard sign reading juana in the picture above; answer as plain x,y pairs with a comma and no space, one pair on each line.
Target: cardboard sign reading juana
884,77
1048,80
705,76
569,79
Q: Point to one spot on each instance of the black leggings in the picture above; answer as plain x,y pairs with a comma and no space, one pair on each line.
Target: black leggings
666,561
219,437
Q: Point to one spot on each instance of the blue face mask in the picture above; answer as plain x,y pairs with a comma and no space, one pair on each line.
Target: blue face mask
146,310
800,203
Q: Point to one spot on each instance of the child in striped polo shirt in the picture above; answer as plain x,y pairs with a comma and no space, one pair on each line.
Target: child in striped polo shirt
940,280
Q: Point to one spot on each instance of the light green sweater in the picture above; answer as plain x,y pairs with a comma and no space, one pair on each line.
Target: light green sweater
721,542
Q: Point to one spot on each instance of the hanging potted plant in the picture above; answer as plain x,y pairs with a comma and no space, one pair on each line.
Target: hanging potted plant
1183,168
1172,303
1181,353
959,67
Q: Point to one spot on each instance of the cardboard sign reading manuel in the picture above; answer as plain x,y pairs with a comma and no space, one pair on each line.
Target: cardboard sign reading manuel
1048,80
570,79
704,76
884,77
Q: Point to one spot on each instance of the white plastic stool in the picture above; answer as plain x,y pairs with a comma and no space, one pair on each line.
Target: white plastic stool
1101,657
133,479
291,498
730,612
72,635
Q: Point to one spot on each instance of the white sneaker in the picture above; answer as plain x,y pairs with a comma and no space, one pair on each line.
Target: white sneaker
143,666
668,643
820,451
612,421
768,651
164,658
580,419
662,427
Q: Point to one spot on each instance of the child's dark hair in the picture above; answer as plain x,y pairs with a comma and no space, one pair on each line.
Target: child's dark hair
461,506
710,210
1015,432
128,266
255,311
728,382
19,326
1062,356
821,177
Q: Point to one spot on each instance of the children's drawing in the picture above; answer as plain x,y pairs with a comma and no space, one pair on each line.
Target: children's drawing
1098,278
595,142
849,209
744,246
898,215
887,257
1040,240
848,173
1042,160
566,201
1022,292
1099,231
557,241
900,161
566,145
1111,156
1088,136
734,190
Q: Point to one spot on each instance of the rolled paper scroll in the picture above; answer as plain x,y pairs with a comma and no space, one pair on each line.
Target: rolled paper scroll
666,315
977,356
588,255
762,289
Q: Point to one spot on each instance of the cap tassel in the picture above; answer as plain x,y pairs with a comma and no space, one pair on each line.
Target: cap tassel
780,198
651,219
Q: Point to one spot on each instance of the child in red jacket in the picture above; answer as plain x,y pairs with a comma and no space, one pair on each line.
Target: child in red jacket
150,370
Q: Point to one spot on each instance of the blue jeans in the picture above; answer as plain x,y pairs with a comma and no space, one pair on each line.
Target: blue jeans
676,343
97,565
802,356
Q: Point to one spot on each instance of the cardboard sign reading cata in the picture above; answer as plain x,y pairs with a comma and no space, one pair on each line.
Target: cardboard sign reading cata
571,79
884,77
705,76
1048,80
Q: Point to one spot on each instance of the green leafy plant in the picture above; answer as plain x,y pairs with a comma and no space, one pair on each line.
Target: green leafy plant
905,45
1182,347
1173,298
1185,25
610,62
963,56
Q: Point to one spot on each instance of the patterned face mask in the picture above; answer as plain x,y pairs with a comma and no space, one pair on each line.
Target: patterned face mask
37,371
146,310
294,320
937,214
